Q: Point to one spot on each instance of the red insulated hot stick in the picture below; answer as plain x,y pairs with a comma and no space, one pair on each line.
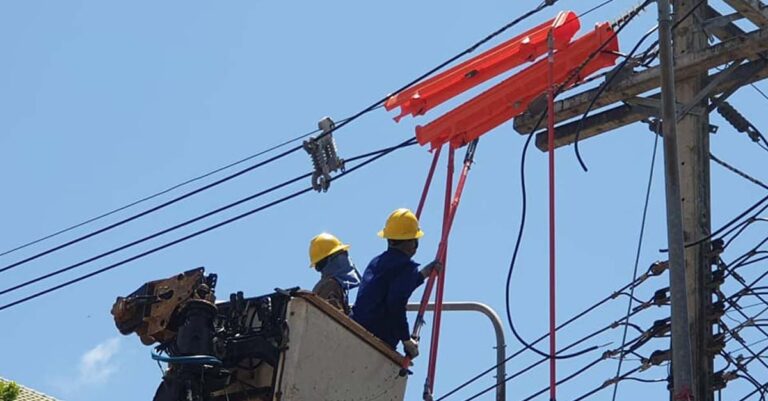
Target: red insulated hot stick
428,182
419,323
468,160
551,143
440,277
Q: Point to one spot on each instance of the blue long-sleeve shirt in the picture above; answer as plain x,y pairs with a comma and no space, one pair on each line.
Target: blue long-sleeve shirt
388,282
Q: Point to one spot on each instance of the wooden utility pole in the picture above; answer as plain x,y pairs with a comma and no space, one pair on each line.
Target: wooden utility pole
742,58
682,356
693,146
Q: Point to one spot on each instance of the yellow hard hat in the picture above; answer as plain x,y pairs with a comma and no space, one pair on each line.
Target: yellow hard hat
402,224
322,246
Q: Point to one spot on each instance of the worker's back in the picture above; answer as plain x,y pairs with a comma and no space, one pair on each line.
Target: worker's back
388,282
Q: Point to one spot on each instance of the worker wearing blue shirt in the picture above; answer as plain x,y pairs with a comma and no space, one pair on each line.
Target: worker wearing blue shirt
389,280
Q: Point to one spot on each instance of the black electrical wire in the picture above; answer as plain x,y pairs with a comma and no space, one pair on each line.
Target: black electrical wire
573,319
523,195
542,360
337,127
183,224
738,172
637,253
621,66
406,143
747,224
727,225
604,385
148,211
569,377
157,194
611,77
762,388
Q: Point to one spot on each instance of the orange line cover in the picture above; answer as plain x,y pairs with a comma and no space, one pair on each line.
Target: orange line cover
511,97
422,97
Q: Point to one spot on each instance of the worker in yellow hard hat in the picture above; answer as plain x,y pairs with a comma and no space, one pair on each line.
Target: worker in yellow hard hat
389,280
338,274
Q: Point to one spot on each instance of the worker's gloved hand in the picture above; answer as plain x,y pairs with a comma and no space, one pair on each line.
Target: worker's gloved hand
433,265
411,347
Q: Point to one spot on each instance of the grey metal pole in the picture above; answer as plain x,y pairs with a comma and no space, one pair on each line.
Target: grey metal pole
498,327
682,366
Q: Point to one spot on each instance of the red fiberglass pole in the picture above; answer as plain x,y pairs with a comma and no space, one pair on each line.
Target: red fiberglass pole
551,145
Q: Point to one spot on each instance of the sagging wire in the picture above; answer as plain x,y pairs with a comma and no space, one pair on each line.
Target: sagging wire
573,76
638,250
384,152
612,325
376,105
653,271
621,66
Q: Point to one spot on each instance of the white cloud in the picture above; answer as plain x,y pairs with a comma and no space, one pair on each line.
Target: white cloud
96,366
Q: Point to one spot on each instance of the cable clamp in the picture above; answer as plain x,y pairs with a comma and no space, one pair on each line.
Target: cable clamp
325,158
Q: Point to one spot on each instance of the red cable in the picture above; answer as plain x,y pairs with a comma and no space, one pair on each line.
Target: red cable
551,146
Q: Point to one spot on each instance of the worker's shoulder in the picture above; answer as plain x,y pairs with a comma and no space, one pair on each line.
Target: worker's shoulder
327,285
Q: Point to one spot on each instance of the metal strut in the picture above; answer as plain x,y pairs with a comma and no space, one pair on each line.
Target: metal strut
324,156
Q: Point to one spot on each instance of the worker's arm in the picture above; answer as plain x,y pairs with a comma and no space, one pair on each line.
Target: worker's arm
400,290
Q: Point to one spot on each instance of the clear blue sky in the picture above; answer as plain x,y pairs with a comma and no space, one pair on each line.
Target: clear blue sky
104,102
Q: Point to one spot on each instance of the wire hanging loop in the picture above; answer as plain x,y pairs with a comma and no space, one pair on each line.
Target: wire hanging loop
325,157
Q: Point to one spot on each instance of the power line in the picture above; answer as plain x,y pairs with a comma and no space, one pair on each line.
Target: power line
182,224
342,124
540,361
738,172
157,194
637,254
610,78
614,73
148,211
409,142
651,272
574,75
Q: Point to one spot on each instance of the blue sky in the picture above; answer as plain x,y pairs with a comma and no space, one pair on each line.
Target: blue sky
104,102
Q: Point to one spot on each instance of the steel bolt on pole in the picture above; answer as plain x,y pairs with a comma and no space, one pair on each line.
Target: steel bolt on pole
682,368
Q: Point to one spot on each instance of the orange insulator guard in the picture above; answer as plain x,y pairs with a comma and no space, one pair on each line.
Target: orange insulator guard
511,97
422,97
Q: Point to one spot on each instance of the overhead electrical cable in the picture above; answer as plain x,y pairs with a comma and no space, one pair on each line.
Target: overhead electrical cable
177,226
612,75
738,172
148,211
573,319
542,360
637,253
157,194
615,72
337,127
409,142
573,76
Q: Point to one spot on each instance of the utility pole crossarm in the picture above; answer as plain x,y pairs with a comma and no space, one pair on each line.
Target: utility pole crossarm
626,114
753,10
691,65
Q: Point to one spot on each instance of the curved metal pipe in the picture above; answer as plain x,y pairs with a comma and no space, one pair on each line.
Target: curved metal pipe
498,327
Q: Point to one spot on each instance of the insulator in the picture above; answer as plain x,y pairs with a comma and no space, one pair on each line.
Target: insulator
659,267
738,121
325,158
661,297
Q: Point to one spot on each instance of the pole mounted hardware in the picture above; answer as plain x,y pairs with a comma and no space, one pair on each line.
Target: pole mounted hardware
324,155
